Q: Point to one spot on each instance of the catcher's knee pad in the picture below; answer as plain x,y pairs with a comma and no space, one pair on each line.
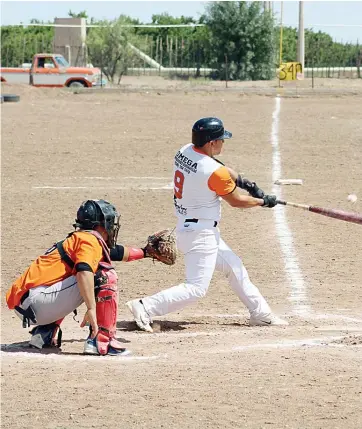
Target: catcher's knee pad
106,292
43,336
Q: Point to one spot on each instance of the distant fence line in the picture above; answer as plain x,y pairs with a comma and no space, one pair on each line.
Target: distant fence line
173,56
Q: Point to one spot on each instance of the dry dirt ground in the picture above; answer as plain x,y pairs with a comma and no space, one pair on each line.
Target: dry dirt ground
205,367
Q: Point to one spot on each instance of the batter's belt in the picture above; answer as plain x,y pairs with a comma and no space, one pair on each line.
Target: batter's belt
196,221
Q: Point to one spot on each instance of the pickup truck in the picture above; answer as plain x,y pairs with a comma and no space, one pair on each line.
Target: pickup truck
52,70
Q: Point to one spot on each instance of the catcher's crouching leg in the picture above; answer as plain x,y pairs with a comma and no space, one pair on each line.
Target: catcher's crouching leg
105,342
43,336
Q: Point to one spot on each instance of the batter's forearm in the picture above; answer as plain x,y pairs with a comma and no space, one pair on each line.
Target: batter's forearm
242,201
246,202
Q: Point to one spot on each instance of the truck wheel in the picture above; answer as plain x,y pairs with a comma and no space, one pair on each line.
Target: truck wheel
76,85
11,98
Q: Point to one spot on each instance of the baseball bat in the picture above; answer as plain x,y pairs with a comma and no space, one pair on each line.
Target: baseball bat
336,214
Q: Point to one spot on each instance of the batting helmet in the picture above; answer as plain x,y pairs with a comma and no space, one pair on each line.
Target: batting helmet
94,213
208,129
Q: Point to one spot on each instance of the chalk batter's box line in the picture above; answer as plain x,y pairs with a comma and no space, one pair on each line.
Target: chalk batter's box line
281,344
105,188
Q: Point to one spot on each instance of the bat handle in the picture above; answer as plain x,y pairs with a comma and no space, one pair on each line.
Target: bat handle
282,202
288,203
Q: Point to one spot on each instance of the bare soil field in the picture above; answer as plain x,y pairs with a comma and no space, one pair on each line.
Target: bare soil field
204,367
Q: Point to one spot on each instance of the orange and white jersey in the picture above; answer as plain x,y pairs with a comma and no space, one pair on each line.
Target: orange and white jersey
199,181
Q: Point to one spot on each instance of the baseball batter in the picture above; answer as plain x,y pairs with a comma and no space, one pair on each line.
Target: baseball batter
200,183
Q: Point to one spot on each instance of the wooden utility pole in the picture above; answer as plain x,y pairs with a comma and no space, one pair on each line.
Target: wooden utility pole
267,6
300,49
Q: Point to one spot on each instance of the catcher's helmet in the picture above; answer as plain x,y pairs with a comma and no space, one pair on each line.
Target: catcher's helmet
99,212
208,129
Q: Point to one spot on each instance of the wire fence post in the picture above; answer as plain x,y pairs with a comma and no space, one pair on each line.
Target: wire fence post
226,71
161,52
182,52
194,55
148,53
176,53
151,47
101,69
188,59
156,54
358,60
24,44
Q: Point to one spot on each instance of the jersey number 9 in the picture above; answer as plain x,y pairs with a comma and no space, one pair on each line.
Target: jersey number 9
179,184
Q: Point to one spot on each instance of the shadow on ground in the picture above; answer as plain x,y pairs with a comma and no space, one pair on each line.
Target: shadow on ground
170,326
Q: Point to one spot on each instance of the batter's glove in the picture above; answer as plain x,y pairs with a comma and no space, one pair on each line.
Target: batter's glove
162,246
269,201
251,187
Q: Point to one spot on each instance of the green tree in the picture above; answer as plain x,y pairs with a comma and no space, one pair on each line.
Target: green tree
19,44
108,46
242,33
81,14
320,49
176,46
289,47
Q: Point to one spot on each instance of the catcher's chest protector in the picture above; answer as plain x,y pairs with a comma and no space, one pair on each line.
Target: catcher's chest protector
106,292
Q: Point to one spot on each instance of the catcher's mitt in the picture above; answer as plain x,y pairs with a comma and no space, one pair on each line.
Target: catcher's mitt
162,246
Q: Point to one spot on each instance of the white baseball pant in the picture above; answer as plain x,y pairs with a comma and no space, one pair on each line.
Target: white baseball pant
51,303
205,251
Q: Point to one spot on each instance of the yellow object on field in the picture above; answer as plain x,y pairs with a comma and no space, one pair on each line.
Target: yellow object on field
290,71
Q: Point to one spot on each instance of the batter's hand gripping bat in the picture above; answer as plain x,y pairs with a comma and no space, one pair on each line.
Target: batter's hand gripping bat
337,214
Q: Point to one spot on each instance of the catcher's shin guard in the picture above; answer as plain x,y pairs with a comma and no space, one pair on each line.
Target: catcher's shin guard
106,292
43,336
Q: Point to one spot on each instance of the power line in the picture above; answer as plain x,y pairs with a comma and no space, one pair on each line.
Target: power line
309,26
328,25
97,25
163,25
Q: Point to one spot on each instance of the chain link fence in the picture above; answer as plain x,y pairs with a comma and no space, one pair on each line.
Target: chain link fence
176,57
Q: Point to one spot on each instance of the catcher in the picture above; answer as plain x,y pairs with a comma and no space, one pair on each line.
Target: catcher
78,269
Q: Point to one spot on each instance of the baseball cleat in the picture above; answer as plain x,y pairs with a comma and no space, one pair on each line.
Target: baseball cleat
118,352
269,320
90,348
140,315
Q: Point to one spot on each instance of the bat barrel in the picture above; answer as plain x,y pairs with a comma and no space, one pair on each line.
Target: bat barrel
338,214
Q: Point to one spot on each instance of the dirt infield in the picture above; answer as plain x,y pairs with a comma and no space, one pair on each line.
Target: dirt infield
204,367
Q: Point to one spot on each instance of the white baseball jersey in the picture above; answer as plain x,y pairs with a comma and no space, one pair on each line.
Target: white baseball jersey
199,181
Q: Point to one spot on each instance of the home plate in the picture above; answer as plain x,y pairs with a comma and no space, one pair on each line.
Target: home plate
288,182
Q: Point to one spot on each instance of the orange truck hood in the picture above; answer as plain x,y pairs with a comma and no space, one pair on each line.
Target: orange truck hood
83,70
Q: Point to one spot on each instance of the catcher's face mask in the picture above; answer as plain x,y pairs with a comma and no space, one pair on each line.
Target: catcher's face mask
111,222
113,231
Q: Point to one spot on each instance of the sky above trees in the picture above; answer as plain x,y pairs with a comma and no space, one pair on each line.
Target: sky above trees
319,14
